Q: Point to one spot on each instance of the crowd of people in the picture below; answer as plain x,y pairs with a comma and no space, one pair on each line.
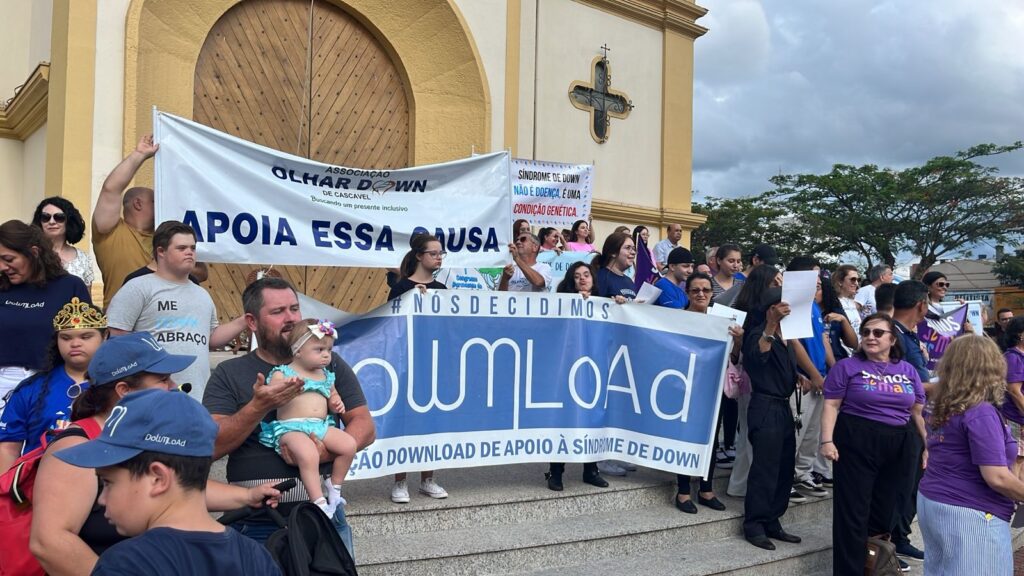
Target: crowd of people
853,410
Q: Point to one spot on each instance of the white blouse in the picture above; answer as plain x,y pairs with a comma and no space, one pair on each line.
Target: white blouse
81,266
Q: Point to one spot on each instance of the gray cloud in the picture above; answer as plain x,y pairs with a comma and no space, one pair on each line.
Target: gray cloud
799,85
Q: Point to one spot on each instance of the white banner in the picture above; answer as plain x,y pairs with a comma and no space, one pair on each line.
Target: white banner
551,193
252,204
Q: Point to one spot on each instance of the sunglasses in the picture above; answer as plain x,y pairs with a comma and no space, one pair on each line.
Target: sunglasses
523,239
942,284
853,279
875,332
75,390
700,290
58,217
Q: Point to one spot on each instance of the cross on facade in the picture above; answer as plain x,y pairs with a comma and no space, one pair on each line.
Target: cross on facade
599,99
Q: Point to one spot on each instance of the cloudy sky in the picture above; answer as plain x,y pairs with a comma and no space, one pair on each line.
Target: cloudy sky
799,85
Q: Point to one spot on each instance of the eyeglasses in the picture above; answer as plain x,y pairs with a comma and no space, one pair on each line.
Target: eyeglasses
58,217
435,253
942,284
875,332
700,290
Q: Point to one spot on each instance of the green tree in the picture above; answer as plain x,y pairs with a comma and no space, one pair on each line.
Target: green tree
949,203
749,221
1010,269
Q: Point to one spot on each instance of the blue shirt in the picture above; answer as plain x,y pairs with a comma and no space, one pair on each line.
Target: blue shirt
815,345
671,296
26,314
912,351
610,284
171,552
25,419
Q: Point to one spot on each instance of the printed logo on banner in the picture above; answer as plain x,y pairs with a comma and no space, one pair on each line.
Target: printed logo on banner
466,379
249,203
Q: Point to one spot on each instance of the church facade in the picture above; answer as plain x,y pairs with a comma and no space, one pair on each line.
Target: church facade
358,83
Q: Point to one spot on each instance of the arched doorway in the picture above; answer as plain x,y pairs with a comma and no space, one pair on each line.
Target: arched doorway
309,79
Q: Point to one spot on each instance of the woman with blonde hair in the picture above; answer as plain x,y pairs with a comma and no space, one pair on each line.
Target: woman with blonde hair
967,495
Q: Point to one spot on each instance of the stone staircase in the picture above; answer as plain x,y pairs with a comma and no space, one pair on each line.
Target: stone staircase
504,520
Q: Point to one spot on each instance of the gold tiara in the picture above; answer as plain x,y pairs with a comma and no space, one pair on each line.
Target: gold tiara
78,315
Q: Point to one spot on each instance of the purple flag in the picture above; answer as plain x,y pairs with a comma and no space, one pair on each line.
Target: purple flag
644,266
936,333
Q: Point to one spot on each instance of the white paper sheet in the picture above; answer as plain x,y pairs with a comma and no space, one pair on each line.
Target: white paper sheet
798,290
737,316
648,293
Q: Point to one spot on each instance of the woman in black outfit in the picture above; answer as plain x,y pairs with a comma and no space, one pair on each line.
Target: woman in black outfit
579,279
771,366
419,265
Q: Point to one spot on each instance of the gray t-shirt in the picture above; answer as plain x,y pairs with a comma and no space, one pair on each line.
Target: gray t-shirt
230,388
180,316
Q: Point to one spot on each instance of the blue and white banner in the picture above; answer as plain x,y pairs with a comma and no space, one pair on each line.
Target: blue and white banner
249,203
489,278
460,379
551,193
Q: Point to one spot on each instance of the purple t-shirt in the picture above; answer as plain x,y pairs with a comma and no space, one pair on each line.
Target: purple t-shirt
975,438
883,392
1014,373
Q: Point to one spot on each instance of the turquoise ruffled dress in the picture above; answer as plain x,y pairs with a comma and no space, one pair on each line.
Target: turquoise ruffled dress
271,432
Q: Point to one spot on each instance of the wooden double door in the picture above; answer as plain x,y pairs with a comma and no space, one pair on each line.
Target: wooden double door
308,79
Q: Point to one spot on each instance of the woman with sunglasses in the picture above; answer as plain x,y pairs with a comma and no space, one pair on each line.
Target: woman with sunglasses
42,403
62,224
418,268
33,287
873,407
698,290
938,285
846,282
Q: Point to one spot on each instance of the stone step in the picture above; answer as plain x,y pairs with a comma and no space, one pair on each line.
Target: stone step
498,495
522,546
728,555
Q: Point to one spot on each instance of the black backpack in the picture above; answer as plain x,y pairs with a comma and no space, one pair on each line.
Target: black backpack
308,544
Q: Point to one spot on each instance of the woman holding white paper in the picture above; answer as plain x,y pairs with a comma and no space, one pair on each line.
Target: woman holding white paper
698,290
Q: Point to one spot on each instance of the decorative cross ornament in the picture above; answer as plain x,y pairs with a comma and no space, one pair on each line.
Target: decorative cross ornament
599,99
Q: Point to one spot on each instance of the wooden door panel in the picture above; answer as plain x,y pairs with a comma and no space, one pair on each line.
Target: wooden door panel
343,103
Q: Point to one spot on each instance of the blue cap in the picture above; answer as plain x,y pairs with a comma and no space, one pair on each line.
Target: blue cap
149,420
133,353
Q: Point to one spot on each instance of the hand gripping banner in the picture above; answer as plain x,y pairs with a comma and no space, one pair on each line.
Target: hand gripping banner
251,204
458,379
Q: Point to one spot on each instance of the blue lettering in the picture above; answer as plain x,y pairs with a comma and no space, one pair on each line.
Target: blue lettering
385,240
411,186
192,222
364,184
455,303
491,243
341,230
279,172
216,222
284,233
454,246
251,229
363,233
320,233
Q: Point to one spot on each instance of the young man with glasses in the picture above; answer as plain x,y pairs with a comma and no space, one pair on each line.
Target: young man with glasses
525,274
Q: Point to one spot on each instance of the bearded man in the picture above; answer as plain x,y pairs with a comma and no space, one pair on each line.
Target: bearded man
239,396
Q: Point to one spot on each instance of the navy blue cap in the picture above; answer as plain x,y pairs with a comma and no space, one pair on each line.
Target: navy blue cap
133,353
148,420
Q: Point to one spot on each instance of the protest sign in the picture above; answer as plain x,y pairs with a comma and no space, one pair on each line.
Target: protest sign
249,203
474,379
551,193
937,333
798,289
